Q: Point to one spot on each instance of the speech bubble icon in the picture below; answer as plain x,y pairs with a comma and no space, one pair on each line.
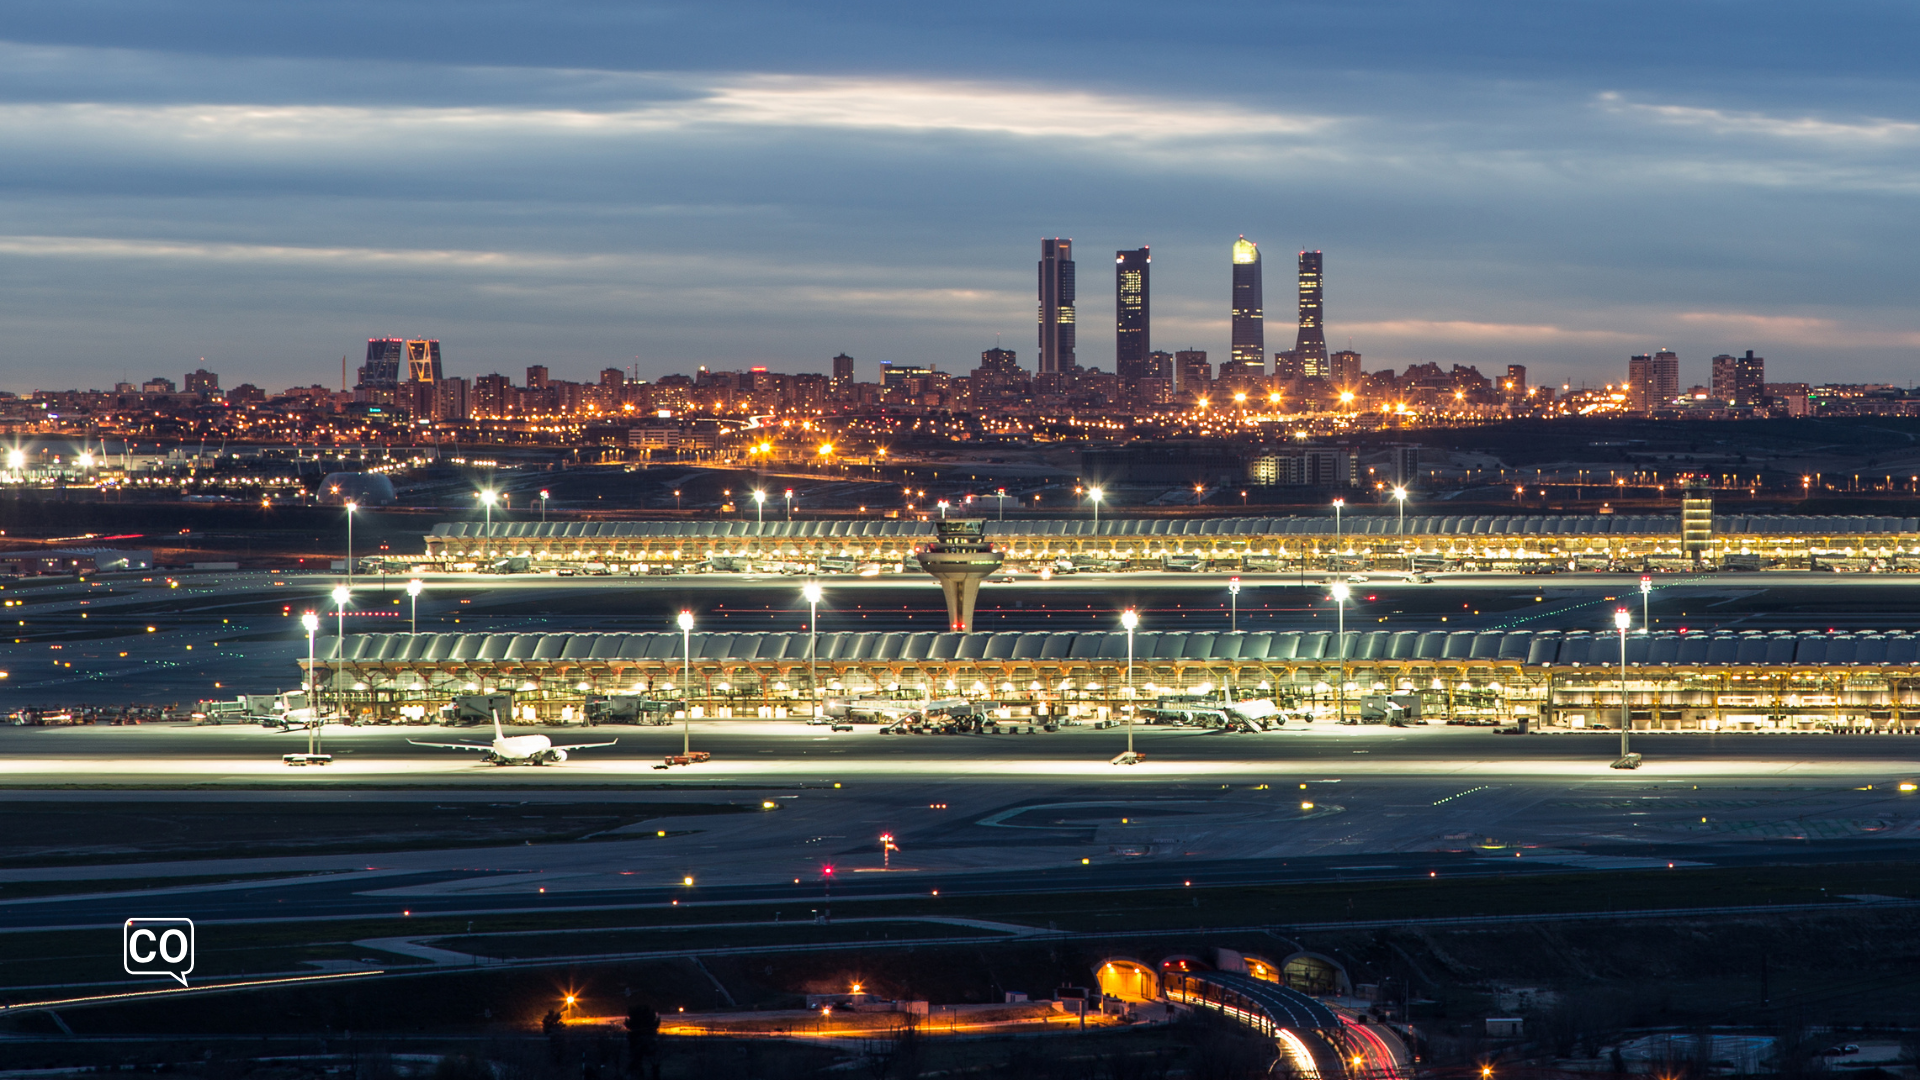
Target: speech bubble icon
158,947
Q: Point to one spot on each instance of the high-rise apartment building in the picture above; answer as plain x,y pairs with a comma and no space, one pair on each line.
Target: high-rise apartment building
1192,375
492,396
1513,389
842,373
203,381
999,363
1249,355
1132,313
537,377
1344,369
1740,381
1639,385
450,399
1653,380
1056,307
1310,347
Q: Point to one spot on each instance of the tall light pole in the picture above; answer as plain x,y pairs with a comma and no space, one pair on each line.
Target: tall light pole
413,600
1002,496
1400,497
789,504
1233,592
1646,603
1095,494
340,608
759,502
1340,594
351,507
686,677
487,499
943,504
1622,620
1337,505
811,590
1130,619
311,622
543,506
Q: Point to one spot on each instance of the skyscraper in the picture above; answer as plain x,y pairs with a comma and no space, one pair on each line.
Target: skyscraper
423,361
1132,314
1249,357
1666,378
1310,348
1056,307
1639,385
842,373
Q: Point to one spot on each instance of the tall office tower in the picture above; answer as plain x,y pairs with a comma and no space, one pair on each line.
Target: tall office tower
386,359
1666,378
1249,357
537,377
1310,348
1132,315
1192,374
999,362
203,381
1737,380
1513,390
1056,307
1639,385
1345,368
842,373
423,361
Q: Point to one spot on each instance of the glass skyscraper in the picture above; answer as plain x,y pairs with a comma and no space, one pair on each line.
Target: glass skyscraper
1056,307
1249,356
1310,348
1132,313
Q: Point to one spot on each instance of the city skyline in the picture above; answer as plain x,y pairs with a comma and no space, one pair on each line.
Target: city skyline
205,191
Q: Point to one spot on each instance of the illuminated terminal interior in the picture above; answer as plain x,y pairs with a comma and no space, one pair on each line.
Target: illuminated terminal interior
1866,681
1377,541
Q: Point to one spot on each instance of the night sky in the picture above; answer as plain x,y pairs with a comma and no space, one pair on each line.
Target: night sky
583,185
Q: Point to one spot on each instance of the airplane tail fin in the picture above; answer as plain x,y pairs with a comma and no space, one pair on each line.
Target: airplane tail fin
497,733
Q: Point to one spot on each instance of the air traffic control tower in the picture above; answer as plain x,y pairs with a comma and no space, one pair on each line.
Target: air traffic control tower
960,559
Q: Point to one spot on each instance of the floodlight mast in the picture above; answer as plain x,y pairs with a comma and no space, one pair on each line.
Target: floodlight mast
1340,594
1130,619
686,652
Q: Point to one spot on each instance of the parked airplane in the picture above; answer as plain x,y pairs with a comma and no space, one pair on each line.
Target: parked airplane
516,749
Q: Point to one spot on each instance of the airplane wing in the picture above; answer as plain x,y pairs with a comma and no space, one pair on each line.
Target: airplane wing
584,745
452,745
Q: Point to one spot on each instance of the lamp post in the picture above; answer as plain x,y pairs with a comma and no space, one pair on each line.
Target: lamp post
1198,491
1400,497
1622,620
1340,594
676,500
789,504
686,676
943,504
311,622
1130,619
351,507
1646,603
759,501
1338,504
1095,494
543,506
487,499
1002,496
811,590
340,594
1233,594
413,600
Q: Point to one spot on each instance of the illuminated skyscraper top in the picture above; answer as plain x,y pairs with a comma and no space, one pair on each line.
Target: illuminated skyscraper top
1056,307
1249,327
1311,346
1132,313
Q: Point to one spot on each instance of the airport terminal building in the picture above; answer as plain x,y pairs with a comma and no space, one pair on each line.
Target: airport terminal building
1374,541
1752,681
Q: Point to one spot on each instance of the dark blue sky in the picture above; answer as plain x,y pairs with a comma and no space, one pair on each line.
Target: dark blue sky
1558,184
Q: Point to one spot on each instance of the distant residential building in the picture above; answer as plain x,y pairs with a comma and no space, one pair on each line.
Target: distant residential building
1790,398
1001,363
1305,467
1286,365
537,377
157,385
1740,381
1653,380
246,394
1513,388
1193,376
1249,353
1666,377
1310,346
203,381
842,373
1056,307
450,399
1345,368
492,395
1132,313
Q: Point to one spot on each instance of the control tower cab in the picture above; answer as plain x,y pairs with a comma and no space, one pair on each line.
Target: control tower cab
960,559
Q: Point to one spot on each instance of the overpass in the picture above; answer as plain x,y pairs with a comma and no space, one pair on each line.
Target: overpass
1357,541
1723,681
